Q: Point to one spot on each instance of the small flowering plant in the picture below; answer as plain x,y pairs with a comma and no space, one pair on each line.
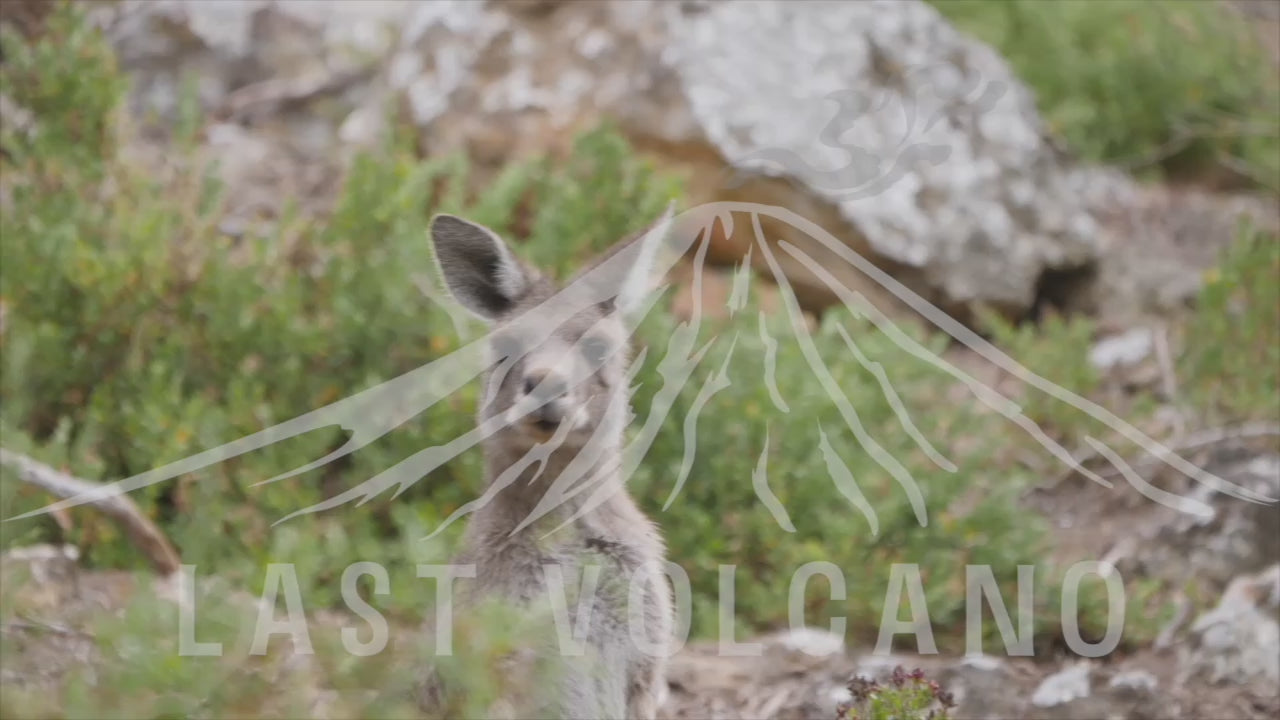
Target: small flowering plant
908,696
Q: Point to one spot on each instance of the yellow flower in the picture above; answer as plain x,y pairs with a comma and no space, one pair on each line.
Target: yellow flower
1212,276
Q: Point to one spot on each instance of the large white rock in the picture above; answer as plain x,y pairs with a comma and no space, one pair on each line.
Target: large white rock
908,140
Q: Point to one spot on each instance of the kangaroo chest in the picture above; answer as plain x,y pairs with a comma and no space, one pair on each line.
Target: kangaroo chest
576,568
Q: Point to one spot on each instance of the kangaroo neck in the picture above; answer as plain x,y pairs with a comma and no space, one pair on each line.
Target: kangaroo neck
556,484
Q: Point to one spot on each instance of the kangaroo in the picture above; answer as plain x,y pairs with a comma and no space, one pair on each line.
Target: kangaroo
556,388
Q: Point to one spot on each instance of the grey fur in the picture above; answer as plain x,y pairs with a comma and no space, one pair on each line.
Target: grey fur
572,374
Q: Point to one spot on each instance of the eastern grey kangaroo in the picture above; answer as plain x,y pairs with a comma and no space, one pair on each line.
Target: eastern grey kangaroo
556,387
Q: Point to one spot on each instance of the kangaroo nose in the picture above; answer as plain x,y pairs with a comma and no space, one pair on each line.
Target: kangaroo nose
547,386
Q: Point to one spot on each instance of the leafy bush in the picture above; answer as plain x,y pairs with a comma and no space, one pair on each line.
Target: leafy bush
1227,346
1227,368
720,518
1230,361
1057,349
136,671
137,333
1151,83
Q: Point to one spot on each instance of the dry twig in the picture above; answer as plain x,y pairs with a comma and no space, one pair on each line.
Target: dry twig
278,91
144,534
32,625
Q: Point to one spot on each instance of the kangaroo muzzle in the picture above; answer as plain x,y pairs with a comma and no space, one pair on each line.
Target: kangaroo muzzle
548,394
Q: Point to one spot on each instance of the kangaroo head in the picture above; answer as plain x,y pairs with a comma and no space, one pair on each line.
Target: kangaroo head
557,355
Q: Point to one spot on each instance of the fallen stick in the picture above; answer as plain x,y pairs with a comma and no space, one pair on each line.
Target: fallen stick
276,91
144,534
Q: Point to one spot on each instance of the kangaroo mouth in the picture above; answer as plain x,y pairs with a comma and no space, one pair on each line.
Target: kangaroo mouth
544,425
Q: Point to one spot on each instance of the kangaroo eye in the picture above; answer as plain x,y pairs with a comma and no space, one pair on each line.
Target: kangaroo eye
596,349
505,346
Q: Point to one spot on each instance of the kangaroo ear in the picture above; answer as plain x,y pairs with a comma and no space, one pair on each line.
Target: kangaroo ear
649,264
478,267
624,275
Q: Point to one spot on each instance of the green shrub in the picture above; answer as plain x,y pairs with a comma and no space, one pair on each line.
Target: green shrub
1152,83
1227,370
1056,349
138,334
718,518
1227,347
1230,360
139,669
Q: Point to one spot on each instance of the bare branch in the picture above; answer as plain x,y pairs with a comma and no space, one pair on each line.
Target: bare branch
277,91
33,625
144,534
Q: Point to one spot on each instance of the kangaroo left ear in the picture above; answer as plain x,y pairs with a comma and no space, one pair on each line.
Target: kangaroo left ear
648,265
622,277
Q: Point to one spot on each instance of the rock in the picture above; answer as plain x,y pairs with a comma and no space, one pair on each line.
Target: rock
504,81
797,674
879,668
1170,237
987,688
912,143
1239,537
1083,691
235,45
933,152
1135,684
1239,640
811,641
1125,349
982,687
44,574
1132,693
1063,687
933,164
25,16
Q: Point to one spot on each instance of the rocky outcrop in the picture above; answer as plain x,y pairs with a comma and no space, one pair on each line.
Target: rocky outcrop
922,140
1226,668
798,674
1083,690
911,142
1238,642
1162,240
1237,538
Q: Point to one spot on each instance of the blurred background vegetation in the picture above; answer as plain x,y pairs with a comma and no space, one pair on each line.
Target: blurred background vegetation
136,332
1166,88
